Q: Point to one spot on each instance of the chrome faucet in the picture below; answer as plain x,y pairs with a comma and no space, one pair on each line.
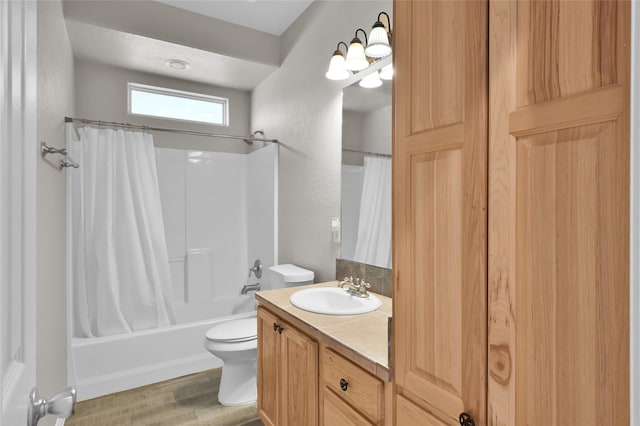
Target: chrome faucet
357,287
257,270
250,287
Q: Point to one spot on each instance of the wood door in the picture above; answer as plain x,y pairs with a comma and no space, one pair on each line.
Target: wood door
299,378
559,221
439,202
268,367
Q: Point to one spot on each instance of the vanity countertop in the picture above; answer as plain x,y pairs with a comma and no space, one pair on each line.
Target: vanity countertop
363,338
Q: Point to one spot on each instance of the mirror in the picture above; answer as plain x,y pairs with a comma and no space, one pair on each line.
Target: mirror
366,174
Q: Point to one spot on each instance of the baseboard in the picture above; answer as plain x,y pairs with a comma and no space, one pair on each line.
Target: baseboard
132,378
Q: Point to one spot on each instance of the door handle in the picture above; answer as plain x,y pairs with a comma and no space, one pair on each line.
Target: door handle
466,420
61,405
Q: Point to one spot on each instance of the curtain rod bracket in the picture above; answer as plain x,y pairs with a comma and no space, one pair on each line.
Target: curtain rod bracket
45,149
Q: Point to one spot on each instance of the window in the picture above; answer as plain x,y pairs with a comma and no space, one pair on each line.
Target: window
177,105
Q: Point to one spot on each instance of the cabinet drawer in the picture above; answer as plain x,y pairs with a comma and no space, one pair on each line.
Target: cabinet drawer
363,391
337,412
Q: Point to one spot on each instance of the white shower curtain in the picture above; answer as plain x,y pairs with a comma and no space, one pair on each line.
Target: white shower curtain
121,278
373,245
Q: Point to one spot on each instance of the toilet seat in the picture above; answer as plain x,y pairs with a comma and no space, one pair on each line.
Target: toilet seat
235,331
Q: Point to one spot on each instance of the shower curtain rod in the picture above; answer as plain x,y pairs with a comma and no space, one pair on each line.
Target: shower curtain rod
377,154
247,139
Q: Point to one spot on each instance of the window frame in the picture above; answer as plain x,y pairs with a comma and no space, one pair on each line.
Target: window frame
179,94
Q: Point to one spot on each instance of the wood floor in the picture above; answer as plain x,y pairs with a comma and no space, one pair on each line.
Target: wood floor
189,400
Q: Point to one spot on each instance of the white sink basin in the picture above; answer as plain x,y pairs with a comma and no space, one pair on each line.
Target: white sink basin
333,301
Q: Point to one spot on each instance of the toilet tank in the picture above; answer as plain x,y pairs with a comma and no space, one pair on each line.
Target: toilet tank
289,275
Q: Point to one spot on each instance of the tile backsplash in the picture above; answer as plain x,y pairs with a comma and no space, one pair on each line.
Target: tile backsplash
379,278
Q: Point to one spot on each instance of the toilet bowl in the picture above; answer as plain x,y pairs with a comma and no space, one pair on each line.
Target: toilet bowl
236,344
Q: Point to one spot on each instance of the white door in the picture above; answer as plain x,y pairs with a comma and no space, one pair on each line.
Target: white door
17,207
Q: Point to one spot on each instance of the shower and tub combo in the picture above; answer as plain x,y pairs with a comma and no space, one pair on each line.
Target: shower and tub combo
159,244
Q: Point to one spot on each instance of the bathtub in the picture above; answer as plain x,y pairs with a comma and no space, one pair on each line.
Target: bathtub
103,365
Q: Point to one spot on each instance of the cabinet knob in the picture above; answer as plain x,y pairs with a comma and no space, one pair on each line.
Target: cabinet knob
344,384
275,326
466,420
280,329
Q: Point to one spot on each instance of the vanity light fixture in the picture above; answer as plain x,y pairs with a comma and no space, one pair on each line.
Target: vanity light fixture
378,45
356,59
337,70
386,73
371,81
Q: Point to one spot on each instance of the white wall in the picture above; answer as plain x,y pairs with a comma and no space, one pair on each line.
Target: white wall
171,166
55,100
303,109
101,94
218,211
366,131
216,217
204,211
353,137
262,181
377,131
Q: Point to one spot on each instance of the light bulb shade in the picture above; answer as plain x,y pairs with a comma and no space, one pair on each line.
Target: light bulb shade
378,46
371,81
386,73
356,59
337,71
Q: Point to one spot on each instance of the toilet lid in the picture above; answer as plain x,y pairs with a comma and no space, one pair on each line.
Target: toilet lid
239,330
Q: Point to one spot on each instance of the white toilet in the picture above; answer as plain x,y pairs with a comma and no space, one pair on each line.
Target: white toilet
235,342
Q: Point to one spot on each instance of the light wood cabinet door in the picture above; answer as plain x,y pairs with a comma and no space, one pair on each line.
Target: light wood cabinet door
287,373
268,367
299,389
440,211
559,213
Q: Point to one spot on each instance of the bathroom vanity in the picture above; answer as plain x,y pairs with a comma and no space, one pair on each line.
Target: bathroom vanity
316,369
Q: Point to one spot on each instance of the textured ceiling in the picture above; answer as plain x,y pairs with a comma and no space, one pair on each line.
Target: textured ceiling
151,55
270,16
